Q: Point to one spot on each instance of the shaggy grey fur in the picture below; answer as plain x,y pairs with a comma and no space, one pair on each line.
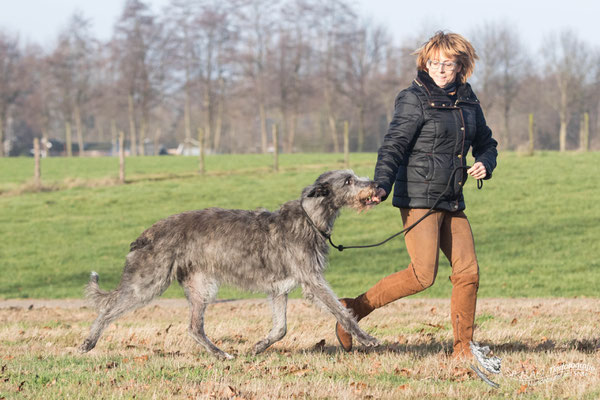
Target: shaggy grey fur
271,252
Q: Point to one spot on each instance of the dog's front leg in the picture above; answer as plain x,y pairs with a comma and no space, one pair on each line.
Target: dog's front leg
323,293
279,329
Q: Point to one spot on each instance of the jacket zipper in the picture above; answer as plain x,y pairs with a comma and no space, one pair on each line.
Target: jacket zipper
463,128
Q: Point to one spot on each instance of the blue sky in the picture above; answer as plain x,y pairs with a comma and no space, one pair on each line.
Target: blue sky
40,20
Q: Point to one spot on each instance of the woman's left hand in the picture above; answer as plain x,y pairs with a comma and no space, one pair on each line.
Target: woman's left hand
477,171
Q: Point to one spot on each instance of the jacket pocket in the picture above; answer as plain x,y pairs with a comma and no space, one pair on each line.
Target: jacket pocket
430,167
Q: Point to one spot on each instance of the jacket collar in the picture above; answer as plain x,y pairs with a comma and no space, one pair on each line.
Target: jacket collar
436,95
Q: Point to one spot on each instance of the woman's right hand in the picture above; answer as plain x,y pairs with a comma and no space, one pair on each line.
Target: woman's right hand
379,194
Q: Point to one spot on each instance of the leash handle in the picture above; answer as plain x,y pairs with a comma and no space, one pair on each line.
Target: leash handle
341,247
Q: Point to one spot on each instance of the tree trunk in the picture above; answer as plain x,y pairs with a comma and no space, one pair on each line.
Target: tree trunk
562,134
79,128
1,137
333,130
361,129
187,119
531,135
156,139
507,126
584,132
121,157
3,122
68,144
44,143
346,145
284,129
132,135
292,132
201,162
275,149
100,136
37,171
331,120
114,135
207,107
263,126
143,127
219,115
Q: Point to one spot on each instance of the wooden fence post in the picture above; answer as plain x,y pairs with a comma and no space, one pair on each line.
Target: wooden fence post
346,145
37,172
275,148
531,142
121,157
201,166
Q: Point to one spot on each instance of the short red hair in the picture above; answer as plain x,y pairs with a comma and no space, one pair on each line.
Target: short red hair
453,45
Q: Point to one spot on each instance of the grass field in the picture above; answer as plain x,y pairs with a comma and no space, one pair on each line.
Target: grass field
535,223
549,350
536,229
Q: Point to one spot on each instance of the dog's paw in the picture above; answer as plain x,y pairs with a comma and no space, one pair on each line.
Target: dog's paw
224,356
86,346
368,341
260,347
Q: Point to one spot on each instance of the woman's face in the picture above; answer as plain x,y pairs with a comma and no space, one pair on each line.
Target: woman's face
442,69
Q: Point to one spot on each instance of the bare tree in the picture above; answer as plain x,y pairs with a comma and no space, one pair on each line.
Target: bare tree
137,42
289,65
500,71
80,44
594,98
256,20
233,68
34,108
217,48
11,81
61,65
362,53
182,33
202,45
332,21
566,60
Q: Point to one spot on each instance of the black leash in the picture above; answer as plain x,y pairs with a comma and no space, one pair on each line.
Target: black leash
405,230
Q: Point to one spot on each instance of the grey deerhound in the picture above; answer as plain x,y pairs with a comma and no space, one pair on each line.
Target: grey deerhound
271,252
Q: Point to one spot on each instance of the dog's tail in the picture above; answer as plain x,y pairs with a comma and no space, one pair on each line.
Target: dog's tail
99,298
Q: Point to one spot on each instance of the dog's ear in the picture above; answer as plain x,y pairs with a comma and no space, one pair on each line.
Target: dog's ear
319,190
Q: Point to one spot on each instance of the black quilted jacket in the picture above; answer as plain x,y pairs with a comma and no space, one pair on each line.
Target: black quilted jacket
428,137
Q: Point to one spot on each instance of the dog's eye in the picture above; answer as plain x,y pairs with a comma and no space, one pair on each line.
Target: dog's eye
348,181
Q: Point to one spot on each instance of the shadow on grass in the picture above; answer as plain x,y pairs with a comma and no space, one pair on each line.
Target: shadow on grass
583,346
435,347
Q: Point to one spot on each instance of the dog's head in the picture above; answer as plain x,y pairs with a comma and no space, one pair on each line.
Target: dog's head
344,188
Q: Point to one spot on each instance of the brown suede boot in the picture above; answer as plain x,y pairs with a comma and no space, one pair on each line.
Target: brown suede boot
462,311
360,309
392,287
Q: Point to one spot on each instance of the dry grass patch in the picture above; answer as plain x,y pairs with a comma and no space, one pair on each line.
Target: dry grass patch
550,349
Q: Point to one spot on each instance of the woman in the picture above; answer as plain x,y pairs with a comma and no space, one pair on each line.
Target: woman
435,122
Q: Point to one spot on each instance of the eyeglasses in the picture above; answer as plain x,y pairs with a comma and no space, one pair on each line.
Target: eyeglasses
436,64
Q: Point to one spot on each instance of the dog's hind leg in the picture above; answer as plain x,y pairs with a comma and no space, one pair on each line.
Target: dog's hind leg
137,288
279,329
121,301
200,292
106,316
320,290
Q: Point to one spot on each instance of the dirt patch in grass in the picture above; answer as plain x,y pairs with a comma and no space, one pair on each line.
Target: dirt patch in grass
549,348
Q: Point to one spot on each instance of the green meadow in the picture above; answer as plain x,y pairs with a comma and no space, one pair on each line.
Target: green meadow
536,223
